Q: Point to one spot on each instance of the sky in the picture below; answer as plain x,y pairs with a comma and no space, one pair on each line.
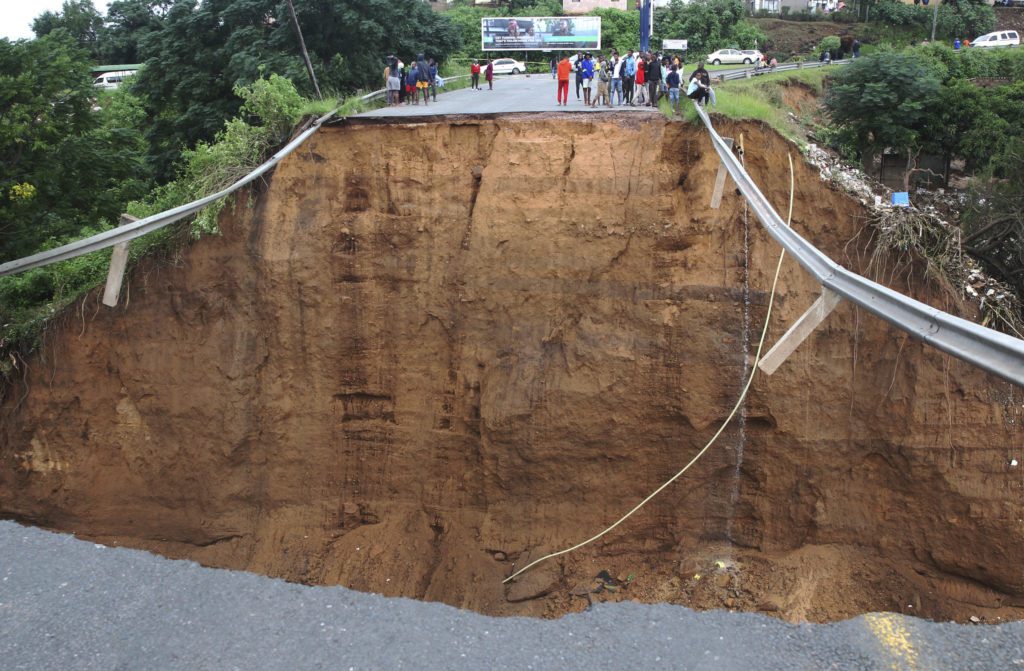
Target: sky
16,15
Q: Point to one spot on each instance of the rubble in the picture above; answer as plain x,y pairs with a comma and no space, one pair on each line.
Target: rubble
933,209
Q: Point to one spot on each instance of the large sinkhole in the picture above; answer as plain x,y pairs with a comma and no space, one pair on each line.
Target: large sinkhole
426,353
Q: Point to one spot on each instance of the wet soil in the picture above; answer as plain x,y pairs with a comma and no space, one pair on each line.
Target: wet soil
426,353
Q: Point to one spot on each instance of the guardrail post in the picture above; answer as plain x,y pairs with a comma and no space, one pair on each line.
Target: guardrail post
799,331
716,197
799,65
747,74
118,262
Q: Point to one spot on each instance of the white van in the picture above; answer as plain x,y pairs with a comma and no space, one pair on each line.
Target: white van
1000,38
111,80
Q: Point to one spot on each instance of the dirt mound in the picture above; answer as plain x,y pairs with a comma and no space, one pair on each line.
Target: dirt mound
430,352
786,39
1009,18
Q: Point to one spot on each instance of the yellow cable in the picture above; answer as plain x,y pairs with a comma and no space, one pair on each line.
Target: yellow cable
739,401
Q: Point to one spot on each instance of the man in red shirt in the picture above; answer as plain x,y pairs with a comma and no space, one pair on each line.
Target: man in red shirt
474,71
564,70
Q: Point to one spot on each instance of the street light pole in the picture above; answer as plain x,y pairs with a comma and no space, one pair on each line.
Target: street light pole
302,46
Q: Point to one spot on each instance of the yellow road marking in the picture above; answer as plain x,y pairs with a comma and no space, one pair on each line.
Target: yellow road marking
895,638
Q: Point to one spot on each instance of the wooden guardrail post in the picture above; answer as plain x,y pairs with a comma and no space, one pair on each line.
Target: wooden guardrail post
716,197
118,262
799,331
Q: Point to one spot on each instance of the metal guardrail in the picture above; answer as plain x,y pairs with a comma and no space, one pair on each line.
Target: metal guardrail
998,353
141,227
804,65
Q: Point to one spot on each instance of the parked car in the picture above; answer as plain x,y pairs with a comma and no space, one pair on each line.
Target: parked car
508,66
734,56
111,80
1000,38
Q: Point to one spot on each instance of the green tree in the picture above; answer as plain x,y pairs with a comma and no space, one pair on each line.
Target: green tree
203,51
127,23
620,29
79,18
883,101
707,25
45,96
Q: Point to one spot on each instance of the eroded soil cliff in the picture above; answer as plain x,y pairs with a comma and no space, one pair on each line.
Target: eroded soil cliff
429,352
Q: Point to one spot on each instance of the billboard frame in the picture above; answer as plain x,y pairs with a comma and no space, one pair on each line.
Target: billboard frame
529,21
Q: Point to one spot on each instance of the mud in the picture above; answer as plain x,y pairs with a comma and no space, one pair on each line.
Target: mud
429,352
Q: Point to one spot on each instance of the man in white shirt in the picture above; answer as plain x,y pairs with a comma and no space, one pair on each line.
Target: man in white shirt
616,66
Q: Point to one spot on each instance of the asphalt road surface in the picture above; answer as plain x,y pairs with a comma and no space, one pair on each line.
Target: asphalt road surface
515,93
72,604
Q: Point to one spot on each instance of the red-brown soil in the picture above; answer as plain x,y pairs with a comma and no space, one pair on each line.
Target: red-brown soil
431,351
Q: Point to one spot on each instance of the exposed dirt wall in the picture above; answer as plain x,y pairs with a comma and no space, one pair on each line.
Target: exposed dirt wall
431,351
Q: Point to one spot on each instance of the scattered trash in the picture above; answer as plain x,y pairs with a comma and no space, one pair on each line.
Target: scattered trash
1013,462
975,619
720,565
696,576
901,198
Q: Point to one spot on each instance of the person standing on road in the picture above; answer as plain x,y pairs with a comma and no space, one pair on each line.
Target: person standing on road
564,70
672,81
489,75
628,76
423,78
588,77
579,73
604,78
393,83
616,77
641,88
432,69
474,75
653,78
554,67
411,94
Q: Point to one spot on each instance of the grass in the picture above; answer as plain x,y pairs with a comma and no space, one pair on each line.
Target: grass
761,99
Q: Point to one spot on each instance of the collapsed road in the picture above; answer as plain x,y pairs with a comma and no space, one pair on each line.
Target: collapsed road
435,349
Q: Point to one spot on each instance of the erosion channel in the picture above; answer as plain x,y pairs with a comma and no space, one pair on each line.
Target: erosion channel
425,353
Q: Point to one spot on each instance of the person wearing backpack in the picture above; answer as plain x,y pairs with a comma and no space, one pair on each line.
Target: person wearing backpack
604,79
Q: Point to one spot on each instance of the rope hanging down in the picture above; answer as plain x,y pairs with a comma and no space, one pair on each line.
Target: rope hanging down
703,451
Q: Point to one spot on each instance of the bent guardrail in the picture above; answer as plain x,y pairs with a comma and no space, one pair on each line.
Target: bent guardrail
784,67
998,353
141,227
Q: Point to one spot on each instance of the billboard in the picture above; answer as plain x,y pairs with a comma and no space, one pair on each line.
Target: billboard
535,33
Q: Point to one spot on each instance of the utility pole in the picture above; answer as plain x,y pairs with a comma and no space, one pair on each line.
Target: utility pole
302,45
935,18
646,19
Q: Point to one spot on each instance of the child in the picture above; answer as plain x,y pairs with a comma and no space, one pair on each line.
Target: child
672,81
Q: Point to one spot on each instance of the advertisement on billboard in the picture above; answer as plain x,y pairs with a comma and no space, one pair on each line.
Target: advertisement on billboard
536,33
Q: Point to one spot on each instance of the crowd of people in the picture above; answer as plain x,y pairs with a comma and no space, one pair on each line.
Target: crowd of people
636,79
404,85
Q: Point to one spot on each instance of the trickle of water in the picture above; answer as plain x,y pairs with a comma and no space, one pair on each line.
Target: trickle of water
734,493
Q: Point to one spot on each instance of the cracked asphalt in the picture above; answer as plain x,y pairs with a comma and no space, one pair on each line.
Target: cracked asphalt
72,604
